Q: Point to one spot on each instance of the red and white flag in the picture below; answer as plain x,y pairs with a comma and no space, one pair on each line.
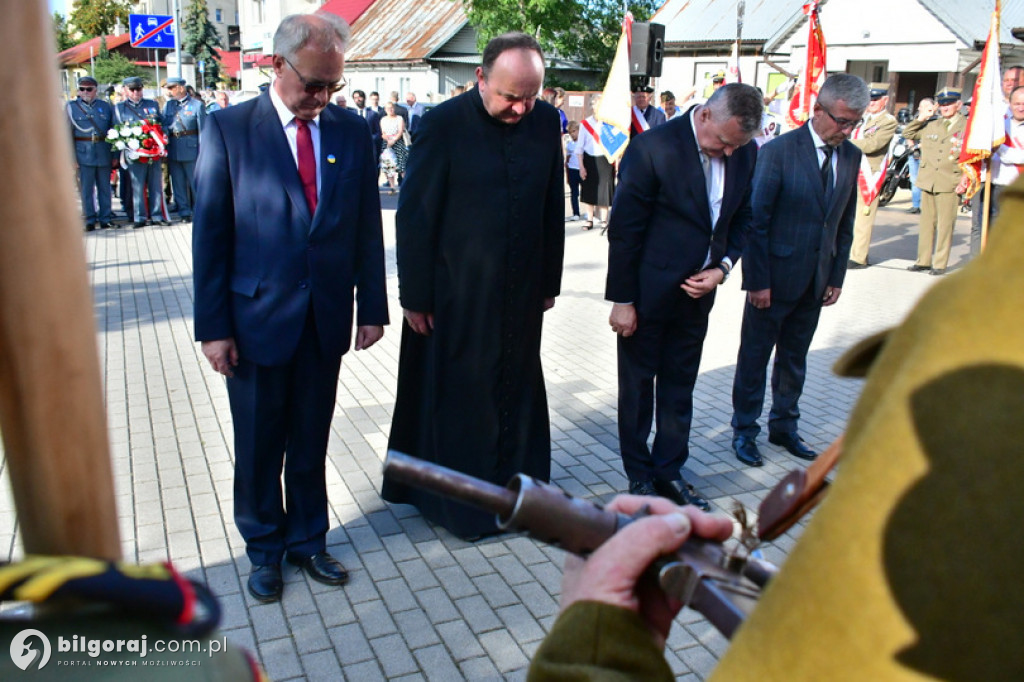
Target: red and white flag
985,125
813,75
732,73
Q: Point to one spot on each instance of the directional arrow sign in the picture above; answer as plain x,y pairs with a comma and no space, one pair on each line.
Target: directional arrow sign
152,30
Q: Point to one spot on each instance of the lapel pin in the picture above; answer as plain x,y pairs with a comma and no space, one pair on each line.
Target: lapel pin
330,158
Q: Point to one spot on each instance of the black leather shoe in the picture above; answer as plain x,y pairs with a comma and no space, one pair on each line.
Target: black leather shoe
89,227
854,265
938,271
323,568
682,493
794,444
265,583
746,451
138,225
106,225
642,488
919,268
913,211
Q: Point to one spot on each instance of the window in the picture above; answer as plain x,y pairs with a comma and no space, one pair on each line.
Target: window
220,19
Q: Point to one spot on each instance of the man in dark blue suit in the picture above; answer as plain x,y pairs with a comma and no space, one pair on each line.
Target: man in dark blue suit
651,115
287,224
804,205
678,220
370,115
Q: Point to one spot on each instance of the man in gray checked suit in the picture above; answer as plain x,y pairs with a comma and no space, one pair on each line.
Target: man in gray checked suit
145,175
803,204
90,119
183,119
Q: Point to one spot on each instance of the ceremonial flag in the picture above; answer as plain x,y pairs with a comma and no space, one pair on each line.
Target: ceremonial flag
732,73
985,125
614,112
813,75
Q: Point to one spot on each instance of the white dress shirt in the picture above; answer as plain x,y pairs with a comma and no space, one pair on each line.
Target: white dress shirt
291,131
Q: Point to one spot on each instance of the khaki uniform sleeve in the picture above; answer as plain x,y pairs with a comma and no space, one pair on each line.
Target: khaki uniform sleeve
599,642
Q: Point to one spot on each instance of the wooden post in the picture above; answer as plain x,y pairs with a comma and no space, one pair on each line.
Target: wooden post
51,401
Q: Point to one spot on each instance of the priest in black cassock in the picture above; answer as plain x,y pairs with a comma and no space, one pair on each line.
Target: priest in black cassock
480,238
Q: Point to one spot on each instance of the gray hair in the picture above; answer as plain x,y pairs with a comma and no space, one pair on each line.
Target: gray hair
740,101
322,30
850,89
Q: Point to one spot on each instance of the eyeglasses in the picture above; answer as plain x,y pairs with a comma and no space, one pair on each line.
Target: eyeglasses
86,88
135,88
315,87
843,123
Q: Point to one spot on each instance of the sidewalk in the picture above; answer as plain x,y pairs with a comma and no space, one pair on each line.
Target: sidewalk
422,604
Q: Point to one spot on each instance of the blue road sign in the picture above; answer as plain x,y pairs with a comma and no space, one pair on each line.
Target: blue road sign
152,30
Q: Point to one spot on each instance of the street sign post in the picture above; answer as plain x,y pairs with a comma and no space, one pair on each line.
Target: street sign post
152,31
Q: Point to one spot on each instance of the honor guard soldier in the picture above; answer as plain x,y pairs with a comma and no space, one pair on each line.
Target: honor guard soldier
938,178
872,137
90,119
183,119
145,174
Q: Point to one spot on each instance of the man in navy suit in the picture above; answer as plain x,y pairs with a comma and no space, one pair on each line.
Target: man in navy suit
652,115
678,220
368,114
804,205
287,224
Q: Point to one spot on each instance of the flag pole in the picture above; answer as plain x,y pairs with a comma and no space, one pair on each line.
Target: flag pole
986,202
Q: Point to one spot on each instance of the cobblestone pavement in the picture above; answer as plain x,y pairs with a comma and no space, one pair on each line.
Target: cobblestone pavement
422,604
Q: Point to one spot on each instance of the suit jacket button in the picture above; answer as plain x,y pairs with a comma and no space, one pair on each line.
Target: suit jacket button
303,284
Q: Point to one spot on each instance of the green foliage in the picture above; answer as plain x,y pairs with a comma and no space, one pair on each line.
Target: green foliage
113,68
199,37
586,31
99,17
62,32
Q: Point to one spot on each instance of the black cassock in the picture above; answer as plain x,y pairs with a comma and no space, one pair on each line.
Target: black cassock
480,239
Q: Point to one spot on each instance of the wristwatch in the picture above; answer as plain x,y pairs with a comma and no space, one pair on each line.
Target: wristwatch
725,271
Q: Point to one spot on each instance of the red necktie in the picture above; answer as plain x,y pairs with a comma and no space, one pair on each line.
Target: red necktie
307,163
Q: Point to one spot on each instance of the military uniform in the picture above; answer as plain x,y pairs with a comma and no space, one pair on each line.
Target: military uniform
908,572
182,121
872,137
145,175
89,123
941,139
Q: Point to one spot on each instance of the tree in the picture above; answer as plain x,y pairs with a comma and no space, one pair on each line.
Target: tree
62,32
113,68
200,38
100,17
583,30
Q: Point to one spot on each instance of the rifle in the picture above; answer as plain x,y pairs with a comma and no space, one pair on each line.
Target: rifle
720,584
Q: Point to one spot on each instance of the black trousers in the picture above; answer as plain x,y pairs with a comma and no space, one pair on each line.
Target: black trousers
787,327
658,367
282,420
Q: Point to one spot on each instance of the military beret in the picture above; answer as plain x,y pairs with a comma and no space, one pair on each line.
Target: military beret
132,82
947,96
88,80
174,80
878,90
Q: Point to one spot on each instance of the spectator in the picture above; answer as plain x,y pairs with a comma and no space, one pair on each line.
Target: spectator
394,153
572,169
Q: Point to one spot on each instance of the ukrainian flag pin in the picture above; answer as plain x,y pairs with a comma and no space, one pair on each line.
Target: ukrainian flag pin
330,158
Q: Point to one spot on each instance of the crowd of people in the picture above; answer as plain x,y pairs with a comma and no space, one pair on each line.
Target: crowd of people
282,191
151,169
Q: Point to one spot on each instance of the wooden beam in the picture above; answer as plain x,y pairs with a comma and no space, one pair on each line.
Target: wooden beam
51,401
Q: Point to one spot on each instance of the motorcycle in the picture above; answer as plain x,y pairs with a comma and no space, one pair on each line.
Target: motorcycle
897,173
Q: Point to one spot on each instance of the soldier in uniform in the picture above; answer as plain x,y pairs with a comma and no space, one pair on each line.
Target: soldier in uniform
938,178
183,119
90,119
872,137
145,174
